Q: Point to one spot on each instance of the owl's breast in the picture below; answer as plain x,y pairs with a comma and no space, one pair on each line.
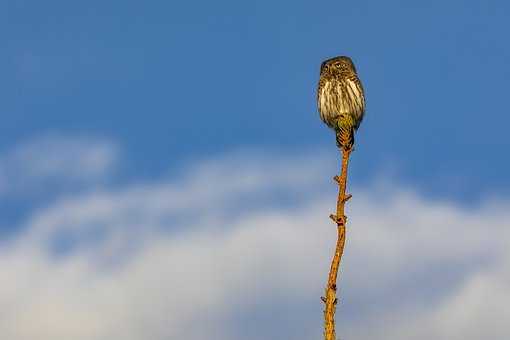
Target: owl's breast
340,97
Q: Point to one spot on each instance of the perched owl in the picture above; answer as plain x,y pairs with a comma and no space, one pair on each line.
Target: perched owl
340,99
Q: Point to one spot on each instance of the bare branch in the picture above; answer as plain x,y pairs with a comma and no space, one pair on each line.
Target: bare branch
340,219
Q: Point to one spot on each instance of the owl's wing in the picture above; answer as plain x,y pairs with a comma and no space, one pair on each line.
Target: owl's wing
355,88
320,86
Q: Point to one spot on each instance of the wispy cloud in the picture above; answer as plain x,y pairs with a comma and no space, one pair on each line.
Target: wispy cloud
54,162
214,255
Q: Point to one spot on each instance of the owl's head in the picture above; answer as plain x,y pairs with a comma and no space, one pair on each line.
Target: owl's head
341,64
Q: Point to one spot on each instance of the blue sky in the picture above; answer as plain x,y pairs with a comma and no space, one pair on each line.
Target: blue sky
174,81
147,140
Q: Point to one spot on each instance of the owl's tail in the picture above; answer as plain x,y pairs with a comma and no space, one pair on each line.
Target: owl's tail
345,137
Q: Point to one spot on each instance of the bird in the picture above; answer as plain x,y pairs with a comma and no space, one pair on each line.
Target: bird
341,99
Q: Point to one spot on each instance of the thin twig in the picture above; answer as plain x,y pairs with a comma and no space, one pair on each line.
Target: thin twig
340,219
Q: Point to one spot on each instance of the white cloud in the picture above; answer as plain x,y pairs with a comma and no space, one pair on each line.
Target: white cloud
54,161
206,256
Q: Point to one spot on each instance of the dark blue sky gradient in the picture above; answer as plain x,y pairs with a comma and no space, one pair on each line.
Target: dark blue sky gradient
175,81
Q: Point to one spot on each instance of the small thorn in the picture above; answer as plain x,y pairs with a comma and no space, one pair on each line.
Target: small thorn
336,301
336,179
338,220
347,197
323,299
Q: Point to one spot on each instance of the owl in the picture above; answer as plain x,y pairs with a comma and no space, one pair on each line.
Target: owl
341,99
